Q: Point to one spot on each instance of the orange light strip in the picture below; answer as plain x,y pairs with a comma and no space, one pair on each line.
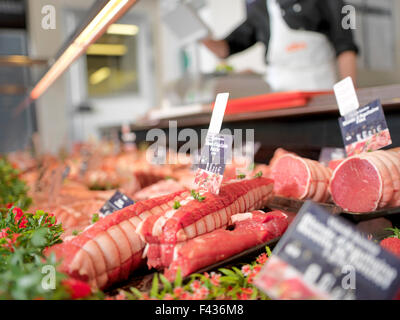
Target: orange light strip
113,10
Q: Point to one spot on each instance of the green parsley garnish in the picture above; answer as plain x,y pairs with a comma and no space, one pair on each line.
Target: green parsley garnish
396,232
75,232
95,218
241,176
177,205
258,174
197,195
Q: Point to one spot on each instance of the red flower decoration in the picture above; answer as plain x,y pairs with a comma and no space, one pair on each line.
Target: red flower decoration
262,258
195,285
78,289
215,279
20,219
242,296
178,291
10,241
246,270
248,291
4,232
48,221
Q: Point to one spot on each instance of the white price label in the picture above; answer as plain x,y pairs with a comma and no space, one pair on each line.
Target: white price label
218,113
346,96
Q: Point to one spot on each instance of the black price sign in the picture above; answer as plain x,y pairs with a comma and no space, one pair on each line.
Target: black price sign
215,153
115,203
84,167
66,172
365,129
322,256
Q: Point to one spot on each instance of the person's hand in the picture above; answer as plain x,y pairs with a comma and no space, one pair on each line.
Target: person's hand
347,65
219,47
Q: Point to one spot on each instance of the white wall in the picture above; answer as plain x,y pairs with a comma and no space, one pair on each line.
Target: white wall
368,78
51,106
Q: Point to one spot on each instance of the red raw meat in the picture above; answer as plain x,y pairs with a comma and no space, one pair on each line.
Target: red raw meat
279,153
109,250
392,245
250,230
367,182
300,178
158,189
333,164
196,217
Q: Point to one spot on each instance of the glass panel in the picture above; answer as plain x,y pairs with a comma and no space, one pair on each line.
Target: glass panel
112,62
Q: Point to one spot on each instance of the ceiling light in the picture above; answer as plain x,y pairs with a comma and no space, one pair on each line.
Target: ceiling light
100,49
123,29
109,13
99,75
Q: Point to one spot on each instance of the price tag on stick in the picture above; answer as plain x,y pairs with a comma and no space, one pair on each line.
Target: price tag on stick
365,130
115,203
216,150
322,256
346,96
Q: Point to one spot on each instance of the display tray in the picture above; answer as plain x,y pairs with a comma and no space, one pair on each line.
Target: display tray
143,278
294,205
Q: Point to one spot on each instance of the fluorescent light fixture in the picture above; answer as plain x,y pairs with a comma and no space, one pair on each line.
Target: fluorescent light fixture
109,13
99,75
18,60
123,29
100,49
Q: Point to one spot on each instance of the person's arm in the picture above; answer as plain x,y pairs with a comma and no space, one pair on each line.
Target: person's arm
219,47
341,39
347,65
240,39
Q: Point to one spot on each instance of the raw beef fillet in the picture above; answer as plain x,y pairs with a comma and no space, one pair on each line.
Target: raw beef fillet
195,217
158,189
109,250
367,182
279,153
300,178
249,229
333,164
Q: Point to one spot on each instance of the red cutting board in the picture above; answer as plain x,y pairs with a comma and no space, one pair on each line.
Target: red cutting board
271,101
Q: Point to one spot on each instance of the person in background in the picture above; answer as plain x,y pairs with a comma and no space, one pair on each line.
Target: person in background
306,46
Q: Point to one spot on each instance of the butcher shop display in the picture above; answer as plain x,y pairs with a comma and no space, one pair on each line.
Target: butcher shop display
154,248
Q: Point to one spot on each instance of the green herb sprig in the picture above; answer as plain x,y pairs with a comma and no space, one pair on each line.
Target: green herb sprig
177,205
12,189
396,232
95,218
196,195
258,174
